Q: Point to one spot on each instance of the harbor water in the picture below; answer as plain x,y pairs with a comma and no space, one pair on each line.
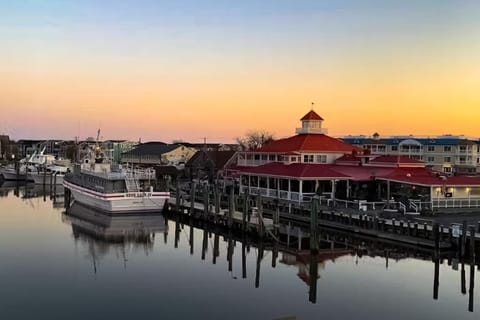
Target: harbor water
81,264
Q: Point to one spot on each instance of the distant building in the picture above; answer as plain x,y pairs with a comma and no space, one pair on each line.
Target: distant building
114,149
27,147
5,147
207,164
212,146
158,153
448,154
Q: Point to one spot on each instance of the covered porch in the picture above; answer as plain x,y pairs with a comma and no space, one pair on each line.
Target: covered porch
289,188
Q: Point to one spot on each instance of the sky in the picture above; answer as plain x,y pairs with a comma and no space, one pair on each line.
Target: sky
186,70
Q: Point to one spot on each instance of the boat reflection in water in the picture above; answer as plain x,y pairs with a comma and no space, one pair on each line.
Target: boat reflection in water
119,233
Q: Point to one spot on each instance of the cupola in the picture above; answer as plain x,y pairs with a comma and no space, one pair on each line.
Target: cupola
311,124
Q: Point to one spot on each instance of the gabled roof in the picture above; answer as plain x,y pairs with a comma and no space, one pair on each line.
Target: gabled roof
219,158
309,142
311,115
152,148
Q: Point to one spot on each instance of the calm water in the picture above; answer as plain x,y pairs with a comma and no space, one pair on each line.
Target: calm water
83,265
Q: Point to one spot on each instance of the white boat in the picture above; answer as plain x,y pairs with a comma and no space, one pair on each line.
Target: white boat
52,174
115,189
27,166
9,172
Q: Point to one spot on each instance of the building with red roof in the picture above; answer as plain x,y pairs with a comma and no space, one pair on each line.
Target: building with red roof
312,163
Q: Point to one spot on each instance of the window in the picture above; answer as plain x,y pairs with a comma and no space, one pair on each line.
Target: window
430,148
271,157
256,157
381,148
447,169
322,158
430,159
447,159
308,158
293,159
447,148
394,148
463,148
264,157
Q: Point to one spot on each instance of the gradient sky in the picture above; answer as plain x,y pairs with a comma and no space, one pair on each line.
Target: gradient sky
163,70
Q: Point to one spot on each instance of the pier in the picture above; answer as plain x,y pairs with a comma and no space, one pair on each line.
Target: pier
266,218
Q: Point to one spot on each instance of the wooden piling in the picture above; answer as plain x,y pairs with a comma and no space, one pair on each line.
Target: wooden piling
191,239
205,201
246,198
204,243
472,244
216,251
230,251
463,284
177,195
231,207
259,262
314,224
436,278
471,287
244,260
464,238
218,197
313,273
436,237
192,198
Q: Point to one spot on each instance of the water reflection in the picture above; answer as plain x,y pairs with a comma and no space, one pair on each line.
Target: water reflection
347,275
118,233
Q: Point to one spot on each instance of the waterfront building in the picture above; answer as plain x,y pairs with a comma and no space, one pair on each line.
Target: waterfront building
450,154
27,147
113,149
207,164
311,163
158,153
5,147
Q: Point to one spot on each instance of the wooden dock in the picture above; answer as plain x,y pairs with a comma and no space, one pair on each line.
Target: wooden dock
266,217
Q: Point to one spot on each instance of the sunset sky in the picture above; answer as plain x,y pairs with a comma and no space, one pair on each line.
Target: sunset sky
164,70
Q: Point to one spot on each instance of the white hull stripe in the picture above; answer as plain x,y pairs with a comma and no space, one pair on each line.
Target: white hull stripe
114,195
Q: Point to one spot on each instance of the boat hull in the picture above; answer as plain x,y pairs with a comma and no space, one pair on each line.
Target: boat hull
11,175
49,179
119,202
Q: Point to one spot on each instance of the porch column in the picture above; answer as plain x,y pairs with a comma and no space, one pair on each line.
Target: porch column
300,190
388,191
268,187
278,188
348,189
249,183
333,192
289,189
333,189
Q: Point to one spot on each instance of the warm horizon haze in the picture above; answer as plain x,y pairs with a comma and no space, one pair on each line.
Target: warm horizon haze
169,70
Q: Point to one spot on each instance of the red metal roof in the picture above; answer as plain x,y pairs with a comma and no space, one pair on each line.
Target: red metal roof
348,159
409,175
295,170
311,115
424,176
309,142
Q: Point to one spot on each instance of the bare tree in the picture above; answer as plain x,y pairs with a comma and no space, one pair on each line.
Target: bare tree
255,139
